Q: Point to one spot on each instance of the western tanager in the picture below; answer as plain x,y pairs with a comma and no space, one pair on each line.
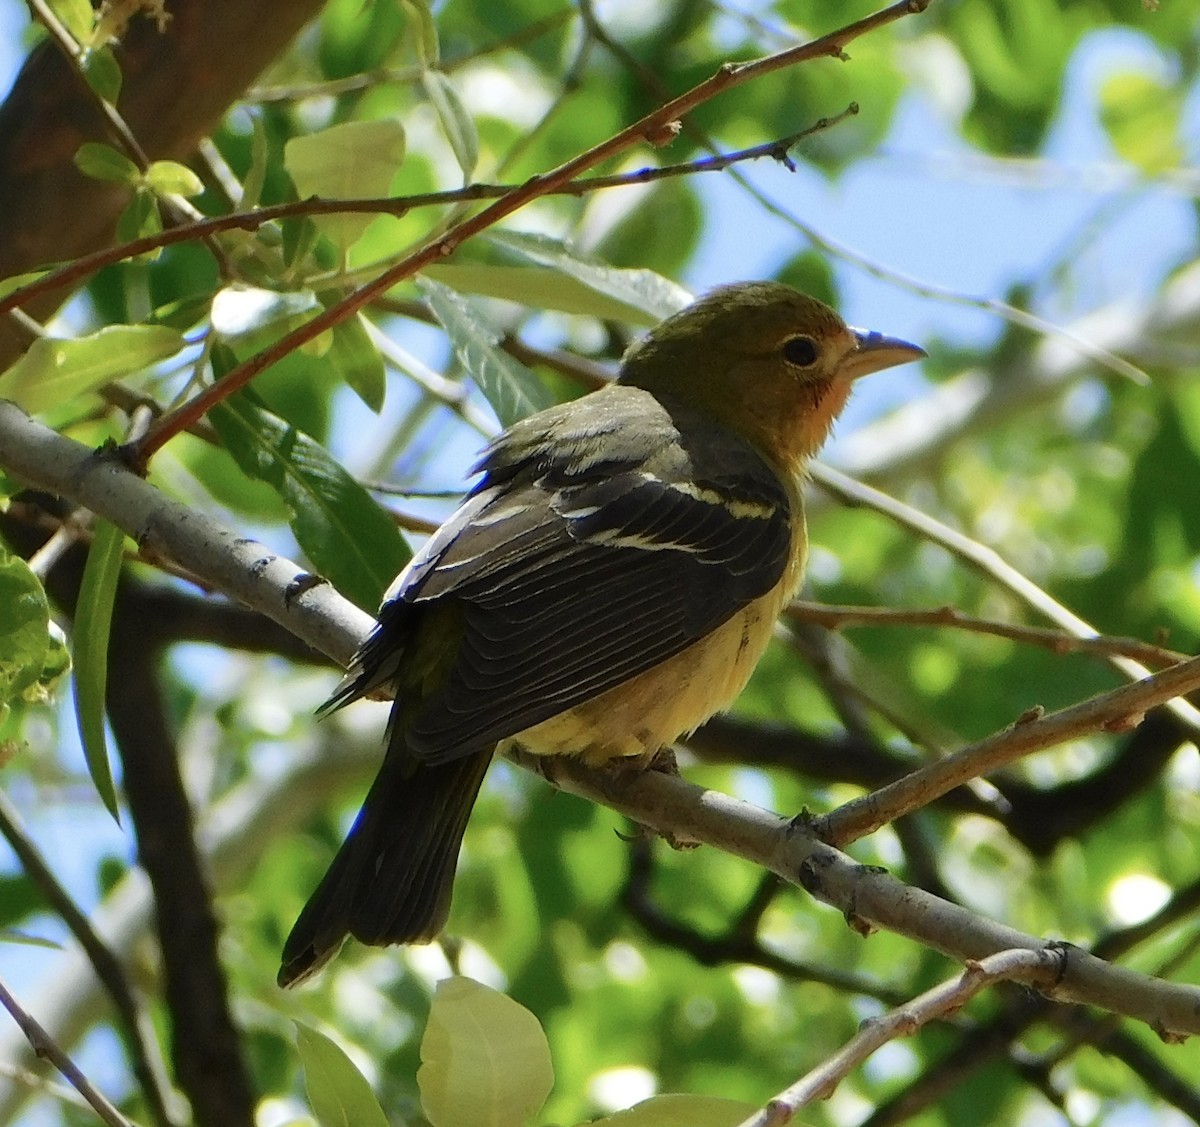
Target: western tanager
608,584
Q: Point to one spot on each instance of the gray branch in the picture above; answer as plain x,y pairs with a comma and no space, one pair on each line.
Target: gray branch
243,569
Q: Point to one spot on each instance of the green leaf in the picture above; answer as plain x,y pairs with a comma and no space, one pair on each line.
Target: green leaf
300,236
348,161
511,388
1142,118
681,1111
647,297
77,16
103,162
32,654
485,1061
348,538
103,73
537,288
26,632
357,361
170,178
54,372
256,174
425,39
456,121
15,281
139,220
93,618
183,314
661,231
24,939
339,1094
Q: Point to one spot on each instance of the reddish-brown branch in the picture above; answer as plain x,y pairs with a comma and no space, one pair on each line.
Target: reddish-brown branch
1058,641
76,271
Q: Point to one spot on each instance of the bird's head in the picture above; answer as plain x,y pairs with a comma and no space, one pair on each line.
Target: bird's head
773,364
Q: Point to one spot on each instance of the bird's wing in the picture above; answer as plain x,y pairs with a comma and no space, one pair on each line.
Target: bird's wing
598,544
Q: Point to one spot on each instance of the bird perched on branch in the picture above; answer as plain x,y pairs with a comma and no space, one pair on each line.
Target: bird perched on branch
608,584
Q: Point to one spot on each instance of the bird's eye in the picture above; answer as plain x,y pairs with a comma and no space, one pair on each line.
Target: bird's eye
801,351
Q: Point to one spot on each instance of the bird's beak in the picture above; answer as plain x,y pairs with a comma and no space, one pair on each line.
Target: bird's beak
873,352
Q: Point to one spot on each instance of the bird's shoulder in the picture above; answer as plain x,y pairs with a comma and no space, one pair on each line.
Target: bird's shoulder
620,430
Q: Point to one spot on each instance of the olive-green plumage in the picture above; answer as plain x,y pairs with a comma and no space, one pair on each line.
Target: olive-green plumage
609,584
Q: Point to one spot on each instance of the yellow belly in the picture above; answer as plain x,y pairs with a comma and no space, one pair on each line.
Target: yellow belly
650,711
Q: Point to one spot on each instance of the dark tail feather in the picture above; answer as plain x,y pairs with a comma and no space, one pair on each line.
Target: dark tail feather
391,880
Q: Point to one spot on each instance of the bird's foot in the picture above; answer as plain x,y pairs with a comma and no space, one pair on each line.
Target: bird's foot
664,762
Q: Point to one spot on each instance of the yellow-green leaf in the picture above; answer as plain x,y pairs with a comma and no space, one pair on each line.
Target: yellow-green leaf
348,161
455,119
1142,117
32,654
348,538
78,16
425,34
648,297
485,1061
681,1111
103,162
53,372
170,178
357,361
103,73
339,1094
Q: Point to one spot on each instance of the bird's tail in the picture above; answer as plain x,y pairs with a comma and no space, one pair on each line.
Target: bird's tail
391,880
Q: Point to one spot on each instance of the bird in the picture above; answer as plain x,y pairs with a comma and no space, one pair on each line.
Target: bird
607,585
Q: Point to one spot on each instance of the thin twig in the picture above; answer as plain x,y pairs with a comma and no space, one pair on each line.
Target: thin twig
73,528
410,73
46,1048
1119,710
71,49
740,942
988,563
117,125
1009,312
874,1033
35,1082
410,522
203,228
132,1024
1059,641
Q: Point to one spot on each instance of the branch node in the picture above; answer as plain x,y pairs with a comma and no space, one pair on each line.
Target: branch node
1169,1036
860,925
301,584
779,152
663,134
1125,723
1034,712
